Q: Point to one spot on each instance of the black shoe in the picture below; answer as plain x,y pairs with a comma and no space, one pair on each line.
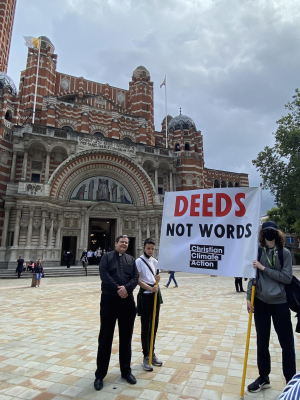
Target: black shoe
129,378
242,290
98,384
237,290
259,384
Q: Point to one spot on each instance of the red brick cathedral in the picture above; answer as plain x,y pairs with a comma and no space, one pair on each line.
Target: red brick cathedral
89,164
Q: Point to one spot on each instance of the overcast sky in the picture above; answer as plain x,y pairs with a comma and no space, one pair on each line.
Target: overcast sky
231,65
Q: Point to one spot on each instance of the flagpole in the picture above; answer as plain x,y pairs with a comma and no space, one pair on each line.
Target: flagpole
166,111
36,81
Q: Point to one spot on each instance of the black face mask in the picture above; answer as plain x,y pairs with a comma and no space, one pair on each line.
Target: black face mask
146,255
270,235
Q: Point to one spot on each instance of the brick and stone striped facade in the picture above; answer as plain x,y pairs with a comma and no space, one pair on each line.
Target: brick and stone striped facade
84,131
7,15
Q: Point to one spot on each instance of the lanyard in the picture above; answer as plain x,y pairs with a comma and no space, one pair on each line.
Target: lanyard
272,264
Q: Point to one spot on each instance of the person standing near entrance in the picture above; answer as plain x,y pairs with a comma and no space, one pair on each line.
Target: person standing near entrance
98,254
90,257
119,277
69,257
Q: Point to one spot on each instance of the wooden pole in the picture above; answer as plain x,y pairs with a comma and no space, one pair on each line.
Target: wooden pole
247,342
153,325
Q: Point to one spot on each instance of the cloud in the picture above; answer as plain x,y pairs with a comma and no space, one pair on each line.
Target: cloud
230,65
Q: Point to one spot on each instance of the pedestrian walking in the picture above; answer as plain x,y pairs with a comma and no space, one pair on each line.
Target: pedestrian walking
69,257
147,267
38,270
239,285
172,276
274,271
84,258
119,277
20,266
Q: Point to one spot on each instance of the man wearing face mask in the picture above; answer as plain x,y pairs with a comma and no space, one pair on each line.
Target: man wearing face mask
270,301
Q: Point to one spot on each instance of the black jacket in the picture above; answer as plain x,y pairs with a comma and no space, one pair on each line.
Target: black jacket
117,271
38,268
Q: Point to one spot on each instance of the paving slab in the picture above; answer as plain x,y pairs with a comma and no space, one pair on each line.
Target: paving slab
48,343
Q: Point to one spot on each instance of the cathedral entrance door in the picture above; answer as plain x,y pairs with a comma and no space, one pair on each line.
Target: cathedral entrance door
69,243
131,247
102,234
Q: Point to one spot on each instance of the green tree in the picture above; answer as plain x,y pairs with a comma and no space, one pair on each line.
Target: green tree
279,166
283,219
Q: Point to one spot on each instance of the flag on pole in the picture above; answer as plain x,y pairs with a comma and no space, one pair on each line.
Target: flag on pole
32,42
163,84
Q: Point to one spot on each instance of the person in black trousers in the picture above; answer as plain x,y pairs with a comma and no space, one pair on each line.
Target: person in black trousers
239,284
119,277
271,303
20,266
69,257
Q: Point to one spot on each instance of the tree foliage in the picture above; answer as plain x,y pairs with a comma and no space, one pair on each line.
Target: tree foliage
279,166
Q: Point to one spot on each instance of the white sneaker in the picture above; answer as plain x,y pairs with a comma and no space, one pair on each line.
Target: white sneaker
146,365
39,285
36,285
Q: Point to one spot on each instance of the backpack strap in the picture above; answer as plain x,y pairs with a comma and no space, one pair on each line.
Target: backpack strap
148,266
280,256
259,253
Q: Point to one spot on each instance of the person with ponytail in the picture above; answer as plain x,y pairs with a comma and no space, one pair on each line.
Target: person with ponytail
274,271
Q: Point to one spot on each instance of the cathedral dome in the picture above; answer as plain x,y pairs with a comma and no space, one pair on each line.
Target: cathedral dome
7,83
141,70
46,43
181,122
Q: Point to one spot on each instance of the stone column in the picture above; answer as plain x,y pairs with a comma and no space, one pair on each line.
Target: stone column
42,229
13,167
140,233
17,227
171,181
47,167
156,232
58,233
50,233
167,184
86,230
24,169
82,229
29,229
5,226
148,227
156,180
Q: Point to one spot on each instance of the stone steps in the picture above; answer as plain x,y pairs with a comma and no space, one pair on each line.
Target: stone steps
53,272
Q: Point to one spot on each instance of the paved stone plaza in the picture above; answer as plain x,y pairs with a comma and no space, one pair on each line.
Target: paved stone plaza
48,343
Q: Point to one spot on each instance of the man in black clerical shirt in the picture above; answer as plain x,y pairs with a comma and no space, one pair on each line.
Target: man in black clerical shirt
119,277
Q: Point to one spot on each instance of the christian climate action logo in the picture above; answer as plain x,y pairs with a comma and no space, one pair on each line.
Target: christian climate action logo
205,256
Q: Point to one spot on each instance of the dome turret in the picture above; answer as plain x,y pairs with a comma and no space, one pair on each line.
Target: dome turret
141,70
7,83
181,122
46,43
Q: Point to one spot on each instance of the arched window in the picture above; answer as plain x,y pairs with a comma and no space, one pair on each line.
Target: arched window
66,128
98,135
177,147
8,115
230,184
223,184
237,184
127,140
187,147
185,126
216,183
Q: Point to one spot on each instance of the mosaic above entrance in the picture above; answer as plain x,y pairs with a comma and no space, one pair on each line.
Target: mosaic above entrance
101,188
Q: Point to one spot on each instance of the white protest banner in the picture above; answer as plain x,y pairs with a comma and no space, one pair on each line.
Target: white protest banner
211,231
